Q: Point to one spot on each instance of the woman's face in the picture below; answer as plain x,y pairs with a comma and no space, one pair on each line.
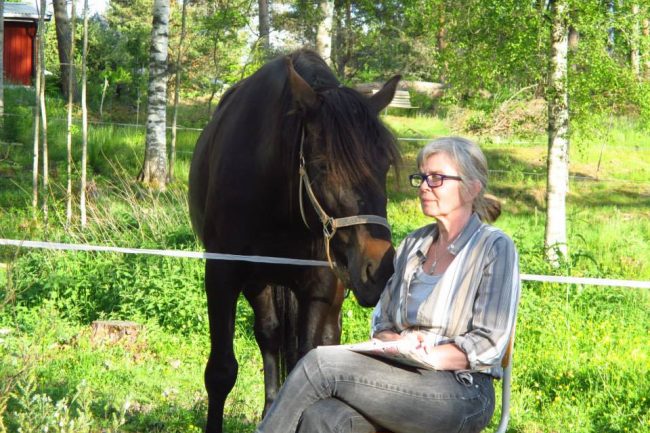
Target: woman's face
450,198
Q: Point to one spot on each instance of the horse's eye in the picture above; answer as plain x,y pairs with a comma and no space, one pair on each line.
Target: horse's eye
361,204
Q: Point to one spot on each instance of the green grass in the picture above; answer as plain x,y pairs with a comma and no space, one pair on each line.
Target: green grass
581,361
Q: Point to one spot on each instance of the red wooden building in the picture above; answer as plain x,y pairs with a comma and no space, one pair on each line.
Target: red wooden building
21,22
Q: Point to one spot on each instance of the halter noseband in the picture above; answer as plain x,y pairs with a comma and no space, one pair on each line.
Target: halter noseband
330,225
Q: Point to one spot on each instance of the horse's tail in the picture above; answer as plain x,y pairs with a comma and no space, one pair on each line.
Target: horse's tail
286,307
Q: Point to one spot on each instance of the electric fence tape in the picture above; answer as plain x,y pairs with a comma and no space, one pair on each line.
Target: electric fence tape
287,261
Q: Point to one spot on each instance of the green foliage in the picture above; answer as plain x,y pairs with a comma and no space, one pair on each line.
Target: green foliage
120,287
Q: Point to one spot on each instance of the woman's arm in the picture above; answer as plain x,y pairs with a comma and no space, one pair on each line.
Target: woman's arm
495,307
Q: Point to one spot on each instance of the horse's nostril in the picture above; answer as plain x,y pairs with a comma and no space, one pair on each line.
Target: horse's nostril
369,275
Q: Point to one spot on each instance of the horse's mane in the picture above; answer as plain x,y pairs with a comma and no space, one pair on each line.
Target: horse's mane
347,123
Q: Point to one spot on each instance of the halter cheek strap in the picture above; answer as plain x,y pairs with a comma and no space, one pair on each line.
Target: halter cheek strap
330,225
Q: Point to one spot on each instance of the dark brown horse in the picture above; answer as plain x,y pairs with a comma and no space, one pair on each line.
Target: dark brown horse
287,148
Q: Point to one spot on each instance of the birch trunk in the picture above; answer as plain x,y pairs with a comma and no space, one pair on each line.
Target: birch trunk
179,71
154,170
635,38
41,71
558,135
84,120
68,212
324,34
37,120
645,54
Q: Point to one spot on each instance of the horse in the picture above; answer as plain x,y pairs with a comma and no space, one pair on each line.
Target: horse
292,164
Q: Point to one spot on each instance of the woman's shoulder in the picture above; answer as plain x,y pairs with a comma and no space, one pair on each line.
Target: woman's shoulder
496,237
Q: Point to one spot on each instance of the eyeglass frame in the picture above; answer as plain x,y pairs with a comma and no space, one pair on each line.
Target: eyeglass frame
428,178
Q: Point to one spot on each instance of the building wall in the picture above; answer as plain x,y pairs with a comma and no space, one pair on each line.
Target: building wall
19,52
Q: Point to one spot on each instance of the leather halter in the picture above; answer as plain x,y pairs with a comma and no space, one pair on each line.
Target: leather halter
330,225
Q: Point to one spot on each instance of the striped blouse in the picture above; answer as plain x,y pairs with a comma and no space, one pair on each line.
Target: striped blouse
473,304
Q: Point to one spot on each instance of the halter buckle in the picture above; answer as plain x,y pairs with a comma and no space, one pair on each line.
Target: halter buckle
329,228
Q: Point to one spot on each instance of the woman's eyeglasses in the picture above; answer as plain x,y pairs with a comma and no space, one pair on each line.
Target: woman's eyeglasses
433,180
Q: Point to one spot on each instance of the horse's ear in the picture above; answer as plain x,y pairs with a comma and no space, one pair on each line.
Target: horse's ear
303,95
381,99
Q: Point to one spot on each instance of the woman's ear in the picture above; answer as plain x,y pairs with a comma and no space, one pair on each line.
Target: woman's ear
474,189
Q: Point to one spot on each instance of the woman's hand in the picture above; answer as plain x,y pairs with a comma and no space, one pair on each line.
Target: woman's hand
443,357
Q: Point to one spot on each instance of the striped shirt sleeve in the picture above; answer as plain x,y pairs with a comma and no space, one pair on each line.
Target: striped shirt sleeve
494,308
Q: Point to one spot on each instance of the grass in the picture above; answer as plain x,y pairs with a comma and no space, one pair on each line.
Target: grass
581,357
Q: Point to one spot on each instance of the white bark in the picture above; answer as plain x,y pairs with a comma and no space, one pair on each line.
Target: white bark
68,213
37,120
84,119
154,170
558,135
635,37
324,34
645,54
101,103
41,71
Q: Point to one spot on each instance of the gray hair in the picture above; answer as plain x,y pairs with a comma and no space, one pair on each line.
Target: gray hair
472,165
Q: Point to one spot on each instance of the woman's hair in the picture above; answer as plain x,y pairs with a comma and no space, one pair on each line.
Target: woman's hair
472,165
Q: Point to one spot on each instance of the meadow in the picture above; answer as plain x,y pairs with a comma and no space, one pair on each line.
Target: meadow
581,361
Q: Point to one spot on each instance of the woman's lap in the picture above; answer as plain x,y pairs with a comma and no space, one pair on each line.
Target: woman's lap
399,398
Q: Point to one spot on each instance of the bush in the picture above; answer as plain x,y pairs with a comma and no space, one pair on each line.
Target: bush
127,287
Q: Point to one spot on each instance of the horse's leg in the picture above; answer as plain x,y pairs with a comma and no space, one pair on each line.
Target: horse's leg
268,333
332,325
221,369
315,301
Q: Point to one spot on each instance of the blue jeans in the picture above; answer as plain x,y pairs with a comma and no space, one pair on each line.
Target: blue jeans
333,389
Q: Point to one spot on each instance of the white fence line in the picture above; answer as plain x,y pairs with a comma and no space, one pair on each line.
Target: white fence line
288,261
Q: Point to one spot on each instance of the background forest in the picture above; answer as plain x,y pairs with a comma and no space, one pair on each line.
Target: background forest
478,68
485,53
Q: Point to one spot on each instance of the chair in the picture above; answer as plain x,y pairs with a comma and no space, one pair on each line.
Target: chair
506,386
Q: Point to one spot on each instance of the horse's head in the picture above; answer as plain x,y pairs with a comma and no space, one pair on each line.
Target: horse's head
347,153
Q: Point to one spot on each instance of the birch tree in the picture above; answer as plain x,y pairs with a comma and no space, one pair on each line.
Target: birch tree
154,170
558,134
84,119
68,213
635,38
37,119
645,55
41,72
179,72
324,32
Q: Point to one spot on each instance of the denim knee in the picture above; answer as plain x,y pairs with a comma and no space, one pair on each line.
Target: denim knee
333,416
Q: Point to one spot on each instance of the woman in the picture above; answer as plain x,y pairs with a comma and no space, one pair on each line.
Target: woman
452,301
